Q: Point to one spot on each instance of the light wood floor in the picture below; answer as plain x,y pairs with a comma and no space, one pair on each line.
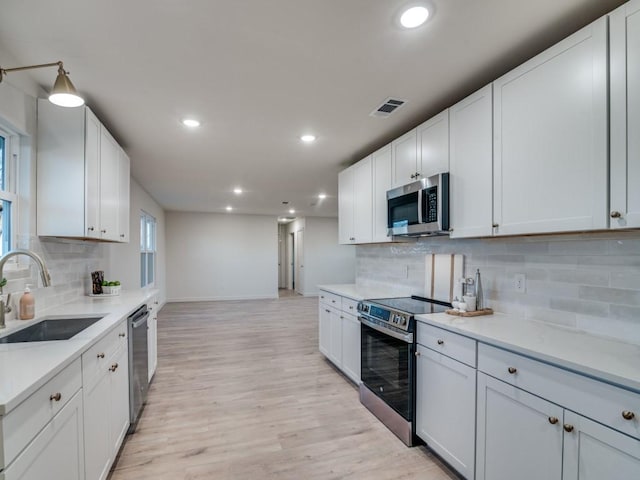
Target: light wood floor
242,392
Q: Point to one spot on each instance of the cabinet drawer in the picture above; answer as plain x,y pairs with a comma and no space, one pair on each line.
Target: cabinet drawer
331,299
349,306
448,343
95,360
21,425
591,398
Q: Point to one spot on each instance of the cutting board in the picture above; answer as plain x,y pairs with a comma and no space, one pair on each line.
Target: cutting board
441,274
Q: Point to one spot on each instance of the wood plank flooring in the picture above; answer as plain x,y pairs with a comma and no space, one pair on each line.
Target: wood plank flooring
242,392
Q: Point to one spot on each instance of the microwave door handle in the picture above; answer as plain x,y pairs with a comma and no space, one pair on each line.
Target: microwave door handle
420,205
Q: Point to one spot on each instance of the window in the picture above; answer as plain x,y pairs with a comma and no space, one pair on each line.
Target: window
8,198
147,250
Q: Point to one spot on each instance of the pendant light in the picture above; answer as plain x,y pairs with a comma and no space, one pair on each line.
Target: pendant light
63,94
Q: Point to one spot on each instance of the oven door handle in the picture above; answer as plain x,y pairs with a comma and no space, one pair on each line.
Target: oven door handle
406,337
420,205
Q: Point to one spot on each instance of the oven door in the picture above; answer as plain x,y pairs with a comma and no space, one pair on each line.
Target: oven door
388,365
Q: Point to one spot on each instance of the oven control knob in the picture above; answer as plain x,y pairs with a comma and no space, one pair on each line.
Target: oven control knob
403,321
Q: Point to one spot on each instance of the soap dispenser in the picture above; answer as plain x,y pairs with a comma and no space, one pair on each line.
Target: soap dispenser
27,304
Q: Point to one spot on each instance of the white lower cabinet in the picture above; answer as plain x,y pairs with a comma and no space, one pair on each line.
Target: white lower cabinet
339,333
445,408
106,401
519,435
152,336
594,452
57,451
350,346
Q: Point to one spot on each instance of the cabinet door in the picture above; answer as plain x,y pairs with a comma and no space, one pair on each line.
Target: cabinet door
345,206
335,347
594,452
471,165
119,398
515,434
362,205
57,451
97,441
624,38
109,194
324,330
381,166
433,145
550,139
446,408
152,340
351,347
92,175
404,159
123,196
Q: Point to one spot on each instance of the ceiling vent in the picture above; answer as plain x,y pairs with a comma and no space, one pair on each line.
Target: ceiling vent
389,106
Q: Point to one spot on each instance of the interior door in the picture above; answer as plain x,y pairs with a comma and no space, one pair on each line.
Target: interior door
299,253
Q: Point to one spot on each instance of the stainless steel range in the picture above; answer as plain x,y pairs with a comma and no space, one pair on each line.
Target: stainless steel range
388,368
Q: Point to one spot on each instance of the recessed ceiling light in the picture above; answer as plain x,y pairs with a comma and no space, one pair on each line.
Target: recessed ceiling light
237,190
229,208
322,196
308,138
292,211
191,122
414,17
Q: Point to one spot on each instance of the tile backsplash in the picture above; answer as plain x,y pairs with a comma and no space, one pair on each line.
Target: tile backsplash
69,263
587,281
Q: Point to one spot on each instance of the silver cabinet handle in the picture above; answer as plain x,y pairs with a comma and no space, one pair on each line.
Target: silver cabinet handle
627,415
616,214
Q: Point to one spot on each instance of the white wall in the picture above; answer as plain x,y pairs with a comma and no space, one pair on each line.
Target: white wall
214,256
325,261
124,262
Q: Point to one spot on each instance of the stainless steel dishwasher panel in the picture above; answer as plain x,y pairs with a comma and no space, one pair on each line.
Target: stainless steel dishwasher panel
138,364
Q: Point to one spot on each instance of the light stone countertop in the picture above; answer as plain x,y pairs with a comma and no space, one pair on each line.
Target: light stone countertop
25,367
354,292
605,359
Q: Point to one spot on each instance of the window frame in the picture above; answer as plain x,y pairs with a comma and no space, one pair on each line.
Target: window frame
148,247
9,193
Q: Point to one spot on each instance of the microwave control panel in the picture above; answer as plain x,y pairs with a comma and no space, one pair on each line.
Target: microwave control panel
431,204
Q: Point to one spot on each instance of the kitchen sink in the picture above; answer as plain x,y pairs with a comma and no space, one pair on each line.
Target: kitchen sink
46,330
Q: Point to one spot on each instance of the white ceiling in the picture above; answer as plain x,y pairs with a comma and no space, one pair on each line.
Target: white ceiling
259,73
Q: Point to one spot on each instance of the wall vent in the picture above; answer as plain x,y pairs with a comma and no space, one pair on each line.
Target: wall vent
389,106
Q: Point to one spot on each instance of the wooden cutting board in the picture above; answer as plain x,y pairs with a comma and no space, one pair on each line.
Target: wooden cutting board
441,274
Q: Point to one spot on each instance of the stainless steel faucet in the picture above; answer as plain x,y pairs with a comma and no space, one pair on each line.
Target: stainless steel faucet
44,274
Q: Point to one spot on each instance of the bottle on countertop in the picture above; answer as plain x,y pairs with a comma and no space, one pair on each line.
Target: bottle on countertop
27,304
478,292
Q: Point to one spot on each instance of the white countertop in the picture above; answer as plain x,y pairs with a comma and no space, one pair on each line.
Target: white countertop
354,292
609,360
25,367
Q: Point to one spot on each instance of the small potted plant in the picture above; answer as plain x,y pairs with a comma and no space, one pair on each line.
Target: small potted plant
111,287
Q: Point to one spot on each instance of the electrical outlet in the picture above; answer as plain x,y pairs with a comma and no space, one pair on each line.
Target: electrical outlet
520,282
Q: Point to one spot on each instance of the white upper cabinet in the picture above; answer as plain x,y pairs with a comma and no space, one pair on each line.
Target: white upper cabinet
471,165
355,203
381,169
81,176
550,139
404,159
625,115
433,145
124,190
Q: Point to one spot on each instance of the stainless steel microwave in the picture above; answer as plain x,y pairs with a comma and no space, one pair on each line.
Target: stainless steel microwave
419,208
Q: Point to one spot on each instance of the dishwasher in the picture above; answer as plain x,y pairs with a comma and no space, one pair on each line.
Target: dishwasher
138,364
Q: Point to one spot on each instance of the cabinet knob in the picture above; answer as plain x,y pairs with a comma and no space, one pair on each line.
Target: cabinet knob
568,428
341,317
553,420
103,231
417,354
113,367
100,355
156,302
353,239
91,229
440,342
616,214
122,335
627,415
350,307
496,225
512,370
328,311
122,235
55,397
